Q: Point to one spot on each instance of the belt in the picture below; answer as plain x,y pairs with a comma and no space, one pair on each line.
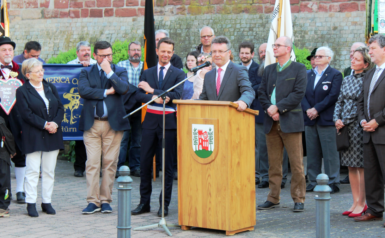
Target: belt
101,118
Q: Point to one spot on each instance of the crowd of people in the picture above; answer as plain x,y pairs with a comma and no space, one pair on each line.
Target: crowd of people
301,112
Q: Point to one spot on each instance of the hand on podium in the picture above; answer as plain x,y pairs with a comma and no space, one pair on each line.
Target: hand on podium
241,105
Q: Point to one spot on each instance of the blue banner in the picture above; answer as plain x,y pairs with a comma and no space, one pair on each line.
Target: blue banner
66,78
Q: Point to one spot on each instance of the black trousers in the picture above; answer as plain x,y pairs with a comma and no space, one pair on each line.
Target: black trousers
149,145
5,184
158,158
374,168
19,159
81,156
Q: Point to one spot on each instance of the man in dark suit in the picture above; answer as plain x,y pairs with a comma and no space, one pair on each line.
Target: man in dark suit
246,55
371,115
155,81
227,81
280,93
323,89
101,87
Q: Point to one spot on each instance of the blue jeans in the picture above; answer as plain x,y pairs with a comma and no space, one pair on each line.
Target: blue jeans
132,137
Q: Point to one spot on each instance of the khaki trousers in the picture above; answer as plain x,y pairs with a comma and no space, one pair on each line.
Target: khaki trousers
275,141
101,141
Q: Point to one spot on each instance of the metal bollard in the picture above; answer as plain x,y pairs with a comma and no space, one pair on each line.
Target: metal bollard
124,203
322,199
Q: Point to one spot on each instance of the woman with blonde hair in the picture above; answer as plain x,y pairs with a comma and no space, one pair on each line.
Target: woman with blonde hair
42,112
345,114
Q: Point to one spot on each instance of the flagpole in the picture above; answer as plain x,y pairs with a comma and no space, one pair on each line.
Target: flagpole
279,19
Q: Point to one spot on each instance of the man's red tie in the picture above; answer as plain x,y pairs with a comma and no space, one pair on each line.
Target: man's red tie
219,80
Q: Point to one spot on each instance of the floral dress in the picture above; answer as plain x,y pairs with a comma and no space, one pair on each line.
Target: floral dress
346,110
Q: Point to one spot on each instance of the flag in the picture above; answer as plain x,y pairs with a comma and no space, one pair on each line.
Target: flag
149,35
281,25
4,29
149,40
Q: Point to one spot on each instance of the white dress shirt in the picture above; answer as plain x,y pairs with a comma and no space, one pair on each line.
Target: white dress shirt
6,71
224,67
248,66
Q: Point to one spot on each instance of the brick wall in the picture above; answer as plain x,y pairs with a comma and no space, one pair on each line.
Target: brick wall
59,24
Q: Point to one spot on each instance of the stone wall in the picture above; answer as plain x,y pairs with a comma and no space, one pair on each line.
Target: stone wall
59,24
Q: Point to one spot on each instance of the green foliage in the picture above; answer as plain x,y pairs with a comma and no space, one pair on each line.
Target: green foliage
119,49
300,55
71,155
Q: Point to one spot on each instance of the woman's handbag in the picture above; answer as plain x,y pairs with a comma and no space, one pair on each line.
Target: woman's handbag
342,139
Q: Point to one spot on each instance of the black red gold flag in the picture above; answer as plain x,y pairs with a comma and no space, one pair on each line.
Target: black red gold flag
4,29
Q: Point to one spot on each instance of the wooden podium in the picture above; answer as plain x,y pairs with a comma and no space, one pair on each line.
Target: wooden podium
216,166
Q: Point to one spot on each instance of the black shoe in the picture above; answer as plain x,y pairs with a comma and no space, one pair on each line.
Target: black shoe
334,187
283,185
117,174
257,180
299,207
345,180
47,208
20,197
310,188
141,208
165,211
268,205
78,173
135,173
263,184
31,208
175,175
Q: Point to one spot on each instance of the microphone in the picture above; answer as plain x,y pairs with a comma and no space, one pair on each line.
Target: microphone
205,64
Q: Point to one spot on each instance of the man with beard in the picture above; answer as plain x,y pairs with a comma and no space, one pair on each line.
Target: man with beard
134,68
246,54
10,69
83,51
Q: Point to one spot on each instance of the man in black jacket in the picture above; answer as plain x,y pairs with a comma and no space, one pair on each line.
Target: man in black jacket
280,93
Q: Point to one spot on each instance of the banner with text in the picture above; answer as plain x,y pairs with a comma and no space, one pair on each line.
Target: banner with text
66,79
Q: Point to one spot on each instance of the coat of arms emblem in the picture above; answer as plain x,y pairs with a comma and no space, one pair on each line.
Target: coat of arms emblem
203,140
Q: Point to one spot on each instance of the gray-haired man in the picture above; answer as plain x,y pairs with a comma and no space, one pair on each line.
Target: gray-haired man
134,69
207,35
83,51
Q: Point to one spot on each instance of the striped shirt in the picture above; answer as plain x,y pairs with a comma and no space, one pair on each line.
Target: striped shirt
133,73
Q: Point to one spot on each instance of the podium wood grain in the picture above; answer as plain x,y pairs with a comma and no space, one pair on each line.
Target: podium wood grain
217,192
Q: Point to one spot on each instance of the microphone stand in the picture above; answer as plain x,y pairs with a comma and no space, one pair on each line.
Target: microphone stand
162,223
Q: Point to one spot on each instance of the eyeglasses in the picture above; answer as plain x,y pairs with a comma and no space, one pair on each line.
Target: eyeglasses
39,71
319,56
104,56
262,51
208,36
136,50
278,45
220,52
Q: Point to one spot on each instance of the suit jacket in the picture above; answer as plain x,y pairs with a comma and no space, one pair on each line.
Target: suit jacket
92,91
255,83
290,86
323,97
235,85
377,107
13,120
33,111
154,117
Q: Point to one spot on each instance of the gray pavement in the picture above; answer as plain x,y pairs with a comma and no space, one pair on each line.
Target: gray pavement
69,198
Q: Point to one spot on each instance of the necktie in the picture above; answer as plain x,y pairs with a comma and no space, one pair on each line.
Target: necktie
99,105
161,76
219,80
6,66
372,83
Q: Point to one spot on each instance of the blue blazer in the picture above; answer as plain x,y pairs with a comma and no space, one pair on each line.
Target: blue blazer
172,77
323,97
255,82
92,91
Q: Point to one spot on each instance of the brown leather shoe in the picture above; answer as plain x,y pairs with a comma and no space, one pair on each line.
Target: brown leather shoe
367,217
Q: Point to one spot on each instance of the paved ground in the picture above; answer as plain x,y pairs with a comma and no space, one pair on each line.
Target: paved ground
69,199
